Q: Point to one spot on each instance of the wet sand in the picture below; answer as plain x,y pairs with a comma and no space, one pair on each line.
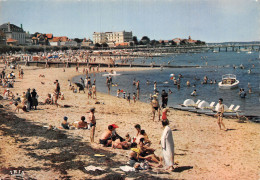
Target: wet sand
202,151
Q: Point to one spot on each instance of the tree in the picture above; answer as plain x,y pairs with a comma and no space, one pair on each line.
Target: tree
163,43
104,44
78,40
135,40
184,42
173,43
145,40
97,45
199,42
154,42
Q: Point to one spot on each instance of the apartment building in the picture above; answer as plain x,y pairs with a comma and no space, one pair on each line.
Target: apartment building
112,37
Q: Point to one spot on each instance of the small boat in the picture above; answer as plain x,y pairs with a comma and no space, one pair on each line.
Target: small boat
111,74
229,81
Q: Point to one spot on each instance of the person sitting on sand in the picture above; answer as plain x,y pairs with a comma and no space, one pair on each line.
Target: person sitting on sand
106,137
7,94
20,106
65,123
136,161
82,124
147,153
155,107
138,129
48,100
128,138
117,144
143,135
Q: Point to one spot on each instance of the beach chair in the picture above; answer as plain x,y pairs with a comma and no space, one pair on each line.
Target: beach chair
231,107
237,108
211,106
205,107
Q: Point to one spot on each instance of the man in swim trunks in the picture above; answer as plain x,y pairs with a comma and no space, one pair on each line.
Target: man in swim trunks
155,107
220,114
105,138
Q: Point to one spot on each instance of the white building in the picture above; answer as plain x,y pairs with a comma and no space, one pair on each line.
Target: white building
12,31
112,37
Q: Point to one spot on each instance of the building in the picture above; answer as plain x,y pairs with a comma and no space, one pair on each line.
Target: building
112,37
12,31
99,37
87,42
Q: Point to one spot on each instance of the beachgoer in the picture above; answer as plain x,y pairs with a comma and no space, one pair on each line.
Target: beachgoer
90,92
92,123
34,99
128,98
82,124
220,113
155,107
155,86
117,93
29,99
194,93
167,145
106,137
94,91
164,96
134,97
164,113
65,124
188,83
242,93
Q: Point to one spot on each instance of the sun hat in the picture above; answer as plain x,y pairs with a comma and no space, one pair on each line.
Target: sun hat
114,126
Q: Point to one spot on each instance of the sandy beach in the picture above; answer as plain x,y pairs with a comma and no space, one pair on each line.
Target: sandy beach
202,151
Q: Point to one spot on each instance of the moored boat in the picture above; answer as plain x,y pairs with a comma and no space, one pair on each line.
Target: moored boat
229,81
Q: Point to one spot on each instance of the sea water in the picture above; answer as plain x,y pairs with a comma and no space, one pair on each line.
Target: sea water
213,65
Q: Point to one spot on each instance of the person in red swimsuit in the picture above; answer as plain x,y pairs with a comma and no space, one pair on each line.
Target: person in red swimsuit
164,113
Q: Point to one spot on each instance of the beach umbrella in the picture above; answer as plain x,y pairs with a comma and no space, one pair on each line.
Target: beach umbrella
203,105
188,102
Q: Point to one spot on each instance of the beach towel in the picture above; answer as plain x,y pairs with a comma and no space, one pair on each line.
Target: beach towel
93,168
127,168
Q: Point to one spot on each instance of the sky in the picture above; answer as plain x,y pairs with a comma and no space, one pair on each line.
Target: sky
206,20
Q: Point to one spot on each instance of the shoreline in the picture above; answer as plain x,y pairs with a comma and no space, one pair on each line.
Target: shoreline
202,150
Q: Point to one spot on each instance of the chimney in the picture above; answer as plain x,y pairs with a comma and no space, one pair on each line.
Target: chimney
21,26
8,27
